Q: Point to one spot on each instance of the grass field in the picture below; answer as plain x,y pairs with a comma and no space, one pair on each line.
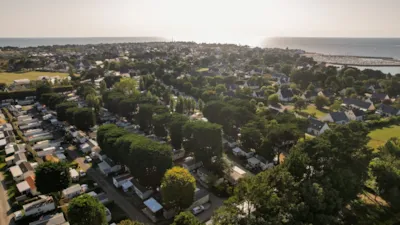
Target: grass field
380,136
33,75
311,109
202,70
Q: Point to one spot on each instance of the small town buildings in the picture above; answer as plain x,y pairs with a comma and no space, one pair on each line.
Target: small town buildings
355,114
28,186
336,117
74,174
153,209
107,166
387,110
55,219
357,103
201,196
42,205
141,191
316,127
119,180
102,197
234,174
72,191
242,153
285,94
378,98
17,173
178,154
191,164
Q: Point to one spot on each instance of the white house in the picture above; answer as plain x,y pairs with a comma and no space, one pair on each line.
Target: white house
74,174
141,191
108,166
316,127
191,164
119,180
42,205
16,173
72,191
336,117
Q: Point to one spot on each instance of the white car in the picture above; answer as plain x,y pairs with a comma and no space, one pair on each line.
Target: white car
88,159
197,210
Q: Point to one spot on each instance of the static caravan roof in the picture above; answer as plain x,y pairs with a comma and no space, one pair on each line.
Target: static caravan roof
15,171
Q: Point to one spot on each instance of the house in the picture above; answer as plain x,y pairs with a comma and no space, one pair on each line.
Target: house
201,197
178,154
141,191
12,148
355,114
191,164
234,174
241,153
387,110
40,206
26,169
356,103
326,93
283,81
17,173
74,174
102,197
263,164
108,166
206,176
378,97
336,117
153,209
119,180
85,148
253,162
46,152
55,219
72,191
309,95
285,94
28,186
316,127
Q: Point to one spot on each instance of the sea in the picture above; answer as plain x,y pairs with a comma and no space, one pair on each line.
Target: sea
375,47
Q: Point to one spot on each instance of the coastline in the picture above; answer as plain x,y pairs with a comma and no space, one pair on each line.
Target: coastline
351,60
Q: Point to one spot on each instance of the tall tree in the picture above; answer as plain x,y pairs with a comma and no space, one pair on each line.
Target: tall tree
177,188
86,210
175,128
52,177
186,218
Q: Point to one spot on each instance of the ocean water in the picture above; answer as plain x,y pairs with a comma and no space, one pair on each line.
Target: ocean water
377,47
34,42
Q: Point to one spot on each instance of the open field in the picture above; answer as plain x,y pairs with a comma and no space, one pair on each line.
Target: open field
311,109
33,75
202,70
380,136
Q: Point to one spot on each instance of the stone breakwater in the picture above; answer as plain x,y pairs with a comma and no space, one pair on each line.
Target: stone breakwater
354,60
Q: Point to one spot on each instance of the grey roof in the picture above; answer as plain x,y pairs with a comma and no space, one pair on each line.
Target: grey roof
309,94
358,112
56,219
339,116
316,124
388,109
357,102
378,96
287,93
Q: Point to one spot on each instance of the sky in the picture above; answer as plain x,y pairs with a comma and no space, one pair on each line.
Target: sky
200,19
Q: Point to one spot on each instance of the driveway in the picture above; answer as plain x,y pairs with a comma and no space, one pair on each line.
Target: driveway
112,193
5,210
216,202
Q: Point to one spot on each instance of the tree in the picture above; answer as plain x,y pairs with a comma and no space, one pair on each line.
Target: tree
204,139
52,177
177,188
321,101
94,101
84,118
300,104
175,128
220,88
180,105
160,124
86,210
273,99
201,105
127,86
186,218
43,87
103,87
62,108
250,137
129,222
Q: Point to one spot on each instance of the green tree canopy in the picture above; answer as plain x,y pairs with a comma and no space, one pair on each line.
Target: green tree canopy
86,210
177,188
186,218
52,177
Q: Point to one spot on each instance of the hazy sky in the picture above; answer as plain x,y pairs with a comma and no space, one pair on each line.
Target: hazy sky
208,19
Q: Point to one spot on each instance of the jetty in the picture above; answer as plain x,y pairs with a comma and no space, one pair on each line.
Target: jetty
349,60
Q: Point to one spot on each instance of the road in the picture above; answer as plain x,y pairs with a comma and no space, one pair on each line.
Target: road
5,212
216,202
112,193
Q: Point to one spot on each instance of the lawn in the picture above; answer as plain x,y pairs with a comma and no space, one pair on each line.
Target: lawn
311,109
202,70
33,75
380,136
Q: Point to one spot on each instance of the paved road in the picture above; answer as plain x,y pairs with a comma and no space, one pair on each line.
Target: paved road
216,202
5,214
132,212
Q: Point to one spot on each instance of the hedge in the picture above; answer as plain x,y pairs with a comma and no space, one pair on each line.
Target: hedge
385,122
30,92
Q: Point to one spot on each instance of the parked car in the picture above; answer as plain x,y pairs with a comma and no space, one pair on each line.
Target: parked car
197,210
88,159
